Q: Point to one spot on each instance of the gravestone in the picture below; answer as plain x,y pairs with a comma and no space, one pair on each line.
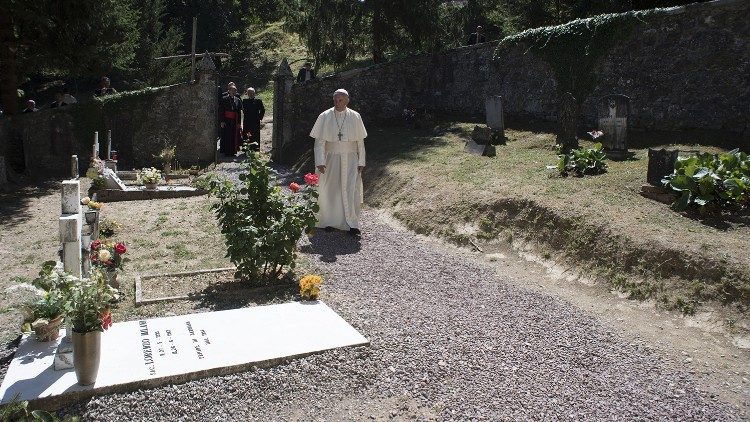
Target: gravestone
482,135
660,164
612,112
568,121
493,108
160,351
112,181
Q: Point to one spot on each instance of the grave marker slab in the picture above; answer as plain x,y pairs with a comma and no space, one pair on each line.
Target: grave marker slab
612,112
112,181
493,107
152,352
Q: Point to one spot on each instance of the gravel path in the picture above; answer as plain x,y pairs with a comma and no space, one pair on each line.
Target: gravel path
449,341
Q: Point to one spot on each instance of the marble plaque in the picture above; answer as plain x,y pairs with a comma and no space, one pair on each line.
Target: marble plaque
158,351
493,107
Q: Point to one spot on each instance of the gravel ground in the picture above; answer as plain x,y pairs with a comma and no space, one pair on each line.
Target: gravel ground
449,341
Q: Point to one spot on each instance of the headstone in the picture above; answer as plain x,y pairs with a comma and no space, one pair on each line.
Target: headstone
568,121
473,148
660,164
109,145
95,147
283,80
493,107
160,351
111,164
70,223
482,135
112,181
3,174
612,112
74,167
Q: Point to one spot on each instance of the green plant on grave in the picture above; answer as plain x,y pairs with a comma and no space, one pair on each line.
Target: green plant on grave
582,161
167,154
260,222
711,182
18,411
52,289
95,172
89,303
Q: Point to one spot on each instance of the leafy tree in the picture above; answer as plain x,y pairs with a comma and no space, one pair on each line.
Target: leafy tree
73,38
157,39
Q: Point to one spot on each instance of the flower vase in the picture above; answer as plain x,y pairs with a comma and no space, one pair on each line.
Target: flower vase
150,186
48,331
112,279
87,352
91,216
167,168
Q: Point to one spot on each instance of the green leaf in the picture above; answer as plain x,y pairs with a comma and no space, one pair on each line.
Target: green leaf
704,199
41,415
682,202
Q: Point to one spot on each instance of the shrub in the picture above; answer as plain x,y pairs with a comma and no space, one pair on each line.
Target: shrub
260,223
582,161
711,181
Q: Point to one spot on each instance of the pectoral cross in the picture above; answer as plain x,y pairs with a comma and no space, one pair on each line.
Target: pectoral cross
341,135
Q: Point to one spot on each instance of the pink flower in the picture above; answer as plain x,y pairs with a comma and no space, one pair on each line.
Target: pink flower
596,134
311,179
294,187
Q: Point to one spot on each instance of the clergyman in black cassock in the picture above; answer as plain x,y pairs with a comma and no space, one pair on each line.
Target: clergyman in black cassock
230,107
252,114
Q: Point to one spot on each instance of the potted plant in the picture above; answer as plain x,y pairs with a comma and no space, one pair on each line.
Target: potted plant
309,286
150,177
46,314
107,257
96,173
89,315
166,156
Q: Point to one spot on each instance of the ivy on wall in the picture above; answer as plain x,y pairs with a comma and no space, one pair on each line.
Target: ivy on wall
573,49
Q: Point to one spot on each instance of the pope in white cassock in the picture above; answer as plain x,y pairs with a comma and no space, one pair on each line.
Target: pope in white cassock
339,159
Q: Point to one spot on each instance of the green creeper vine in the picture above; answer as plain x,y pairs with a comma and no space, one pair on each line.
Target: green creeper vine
573,49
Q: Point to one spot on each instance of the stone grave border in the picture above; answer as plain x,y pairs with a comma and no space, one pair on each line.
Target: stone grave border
140,301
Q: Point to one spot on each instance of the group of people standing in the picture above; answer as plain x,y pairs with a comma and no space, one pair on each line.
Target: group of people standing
240,120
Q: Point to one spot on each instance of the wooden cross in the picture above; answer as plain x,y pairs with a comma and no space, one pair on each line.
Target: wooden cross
192,55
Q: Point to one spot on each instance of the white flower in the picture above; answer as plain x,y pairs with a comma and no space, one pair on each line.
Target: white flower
104,255
85,200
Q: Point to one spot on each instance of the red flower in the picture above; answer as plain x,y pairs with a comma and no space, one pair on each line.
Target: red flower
311,179
120,248
106,318
96,244
294,187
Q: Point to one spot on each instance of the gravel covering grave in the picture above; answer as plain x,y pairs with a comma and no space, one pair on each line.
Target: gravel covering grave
449,341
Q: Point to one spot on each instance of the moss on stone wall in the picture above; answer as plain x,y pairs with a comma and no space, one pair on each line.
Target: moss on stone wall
573,49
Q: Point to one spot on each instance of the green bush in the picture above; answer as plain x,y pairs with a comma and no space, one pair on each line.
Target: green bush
711,181
582,161
261,224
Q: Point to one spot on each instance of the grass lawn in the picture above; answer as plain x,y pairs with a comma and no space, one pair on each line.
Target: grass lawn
599,222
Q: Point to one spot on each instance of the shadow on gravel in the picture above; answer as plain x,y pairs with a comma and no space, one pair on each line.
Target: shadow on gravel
330,245
15,203
285,291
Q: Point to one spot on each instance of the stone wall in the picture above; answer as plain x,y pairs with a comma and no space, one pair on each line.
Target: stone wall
684,68
142,123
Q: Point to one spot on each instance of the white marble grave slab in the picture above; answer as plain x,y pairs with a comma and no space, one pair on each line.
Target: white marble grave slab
152,352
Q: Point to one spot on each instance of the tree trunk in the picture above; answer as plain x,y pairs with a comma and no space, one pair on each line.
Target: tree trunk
8,66
568,120
377,36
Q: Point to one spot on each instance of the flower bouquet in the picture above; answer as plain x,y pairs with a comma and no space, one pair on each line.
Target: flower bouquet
45,315
150,177
309,286
89,315
107,256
